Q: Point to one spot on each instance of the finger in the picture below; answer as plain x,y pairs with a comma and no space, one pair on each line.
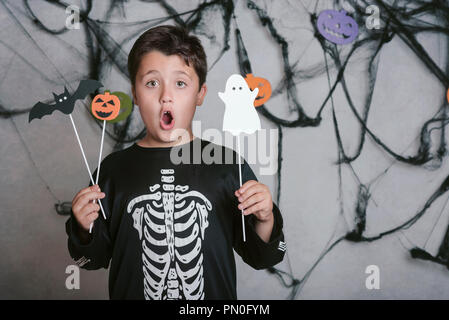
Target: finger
84,191
253,209
86,198
79,208
91,217
88,209
255,188
245,186
255,198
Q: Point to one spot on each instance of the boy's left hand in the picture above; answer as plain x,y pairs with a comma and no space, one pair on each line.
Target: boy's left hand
255,198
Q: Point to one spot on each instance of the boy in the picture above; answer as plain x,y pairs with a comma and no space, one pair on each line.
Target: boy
171,228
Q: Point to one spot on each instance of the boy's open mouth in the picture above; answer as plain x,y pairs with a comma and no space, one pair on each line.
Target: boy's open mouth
167,120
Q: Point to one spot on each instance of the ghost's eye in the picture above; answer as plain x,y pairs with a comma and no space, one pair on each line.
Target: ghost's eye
233,88
240,88
65,98
60,100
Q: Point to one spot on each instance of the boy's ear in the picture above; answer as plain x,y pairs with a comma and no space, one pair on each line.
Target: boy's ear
201,94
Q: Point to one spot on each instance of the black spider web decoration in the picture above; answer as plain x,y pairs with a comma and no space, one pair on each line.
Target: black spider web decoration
400,19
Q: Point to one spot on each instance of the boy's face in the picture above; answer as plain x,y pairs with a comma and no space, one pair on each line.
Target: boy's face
167,93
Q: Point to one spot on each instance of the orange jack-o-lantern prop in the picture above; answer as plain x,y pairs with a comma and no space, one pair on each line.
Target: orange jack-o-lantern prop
105,106
447,95
264,88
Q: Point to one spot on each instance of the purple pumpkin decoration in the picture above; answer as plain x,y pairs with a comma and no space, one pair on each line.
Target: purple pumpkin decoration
337,27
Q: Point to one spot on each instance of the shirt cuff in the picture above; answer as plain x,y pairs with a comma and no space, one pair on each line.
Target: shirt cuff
72,229
276,232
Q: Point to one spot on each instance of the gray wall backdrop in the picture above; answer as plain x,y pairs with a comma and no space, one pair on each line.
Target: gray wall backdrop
391,184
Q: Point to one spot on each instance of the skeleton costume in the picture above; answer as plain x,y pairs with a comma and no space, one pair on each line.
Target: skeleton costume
171,228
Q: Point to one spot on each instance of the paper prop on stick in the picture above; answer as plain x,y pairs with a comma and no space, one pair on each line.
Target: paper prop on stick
66,103
240,114
105,106
124,106
108,107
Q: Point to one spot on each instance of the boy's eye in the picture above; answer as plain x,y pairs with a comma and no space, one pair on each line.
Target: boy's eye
152,83
180,84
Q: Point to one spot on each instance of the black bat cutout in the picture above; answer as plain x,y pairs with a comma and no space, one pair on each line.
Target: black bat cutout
64,102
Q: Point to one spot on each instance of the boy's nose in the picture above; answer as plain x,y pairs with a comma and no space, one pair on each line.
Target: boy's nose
166,99
166,95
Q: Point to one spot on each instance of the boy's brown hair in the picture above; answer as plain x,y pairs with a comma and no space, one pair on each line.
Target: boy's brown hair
169,40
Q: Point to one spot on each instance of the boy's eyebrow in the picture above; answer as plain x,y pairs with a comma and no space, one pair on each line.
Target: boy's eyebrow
183,72
150,71
177,71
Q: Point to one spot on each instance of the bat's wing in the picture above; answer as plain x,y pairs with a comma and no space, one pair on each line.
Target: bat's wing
41,109
84,88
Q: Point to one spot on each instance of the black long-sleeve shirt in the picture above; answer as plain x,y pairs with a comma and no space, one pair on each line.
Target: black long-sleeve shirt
171,227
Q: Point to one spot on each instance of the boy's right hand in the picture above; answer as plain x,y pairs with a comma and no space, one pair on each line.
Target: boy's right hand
84,210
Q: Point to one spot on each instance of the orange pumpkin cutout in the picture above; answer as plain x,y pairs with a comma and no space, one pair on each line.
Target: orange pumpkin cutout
264,88
105,106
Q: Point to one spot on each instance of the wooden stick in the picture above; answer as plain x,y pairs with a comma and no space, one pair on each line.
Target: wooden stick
240,177
99,164
85,161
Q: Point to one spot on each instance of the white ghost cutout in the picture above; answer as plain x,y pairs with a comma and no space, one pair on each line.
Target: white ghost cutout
240,114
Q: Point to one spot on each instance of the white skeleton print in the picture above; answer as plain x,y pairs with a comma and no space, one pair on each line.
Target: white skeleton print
171,222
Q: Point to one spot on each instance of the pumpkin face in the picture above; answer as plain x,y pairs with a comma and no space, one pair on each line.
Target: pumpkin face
337,27
105,106
264,88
